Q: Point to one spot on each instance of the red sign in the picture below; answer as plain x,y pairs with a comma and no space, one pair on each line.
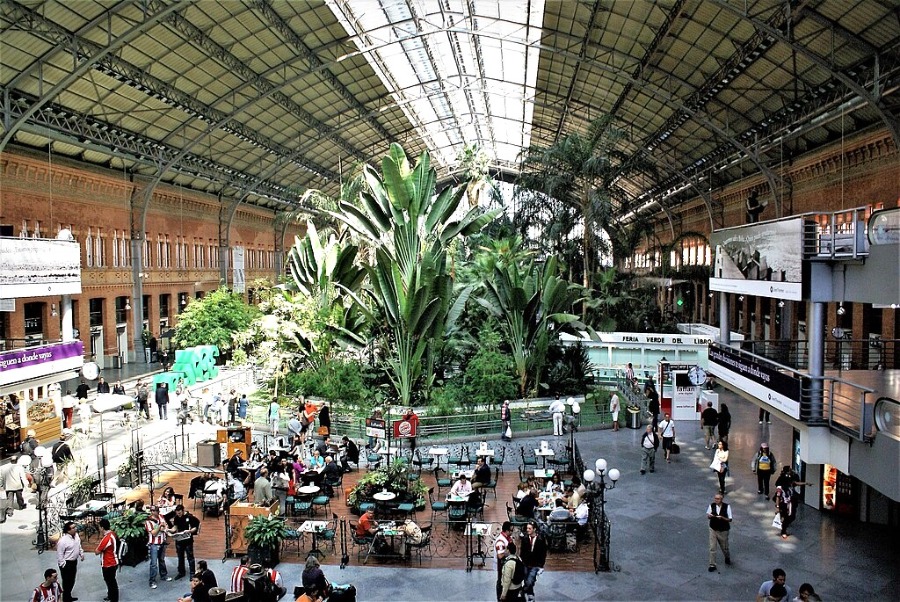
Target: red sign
404,429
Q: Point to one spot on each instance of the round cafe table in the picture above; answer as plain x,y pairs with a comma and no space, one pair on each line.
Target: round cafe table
308,489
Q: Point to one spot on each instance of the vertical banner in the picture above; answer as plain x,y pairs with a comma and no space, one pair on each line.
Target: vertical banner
237,270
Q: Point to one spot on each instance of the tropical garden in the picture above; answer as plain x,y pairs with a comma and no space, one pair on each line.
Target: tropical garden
403,292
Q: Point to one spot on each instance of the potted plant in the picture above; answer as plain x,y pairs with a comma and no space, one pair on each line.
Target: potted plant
129,527
264,535
125,472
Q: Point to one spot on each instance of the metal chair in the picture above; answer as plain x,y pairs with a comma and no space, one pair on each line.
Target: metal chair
500,458
528,458
436,506
425,463
556,536
361,543
423,545
492,485
320,501
442,482
455,460
465,457
292,536
329,533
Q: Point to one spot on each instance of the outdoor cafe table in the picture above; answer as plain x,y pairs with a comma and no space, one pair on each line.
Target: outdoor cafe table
478,531
93,506
437,452
387,530
544,454
315,527
486,452
308,490
543,473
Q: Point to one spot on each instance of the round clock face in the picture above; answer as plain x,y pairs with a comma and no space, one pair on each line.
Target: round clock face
697,375
90,371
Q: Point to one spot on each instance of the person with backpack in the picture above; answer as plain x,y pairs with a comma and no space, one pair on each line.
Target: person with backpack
511,579
534,555
143,397
108,550
764,466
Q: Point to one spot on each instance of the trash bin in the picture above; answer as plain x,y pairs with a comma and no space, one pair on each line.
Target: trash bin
633,417
208,454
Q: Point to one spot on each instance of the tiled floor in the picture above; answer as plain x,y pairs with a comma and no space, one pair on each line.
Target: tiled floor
659,540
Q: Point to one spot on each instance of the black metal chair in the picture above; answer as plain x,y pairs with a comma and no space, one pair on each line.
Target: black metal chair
528,458
422,546
442,483
436,507
492,485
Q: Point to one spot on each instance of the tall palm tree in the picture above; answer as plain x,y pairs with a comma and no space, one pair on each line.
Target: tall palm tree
577,173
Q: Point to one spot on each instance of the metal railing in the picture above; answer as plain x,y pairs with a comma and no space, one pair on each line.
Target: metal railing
839,354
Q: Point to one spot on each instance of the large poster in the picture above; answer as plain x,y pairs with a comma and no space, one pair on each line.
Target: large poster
39,267
765,382
765,260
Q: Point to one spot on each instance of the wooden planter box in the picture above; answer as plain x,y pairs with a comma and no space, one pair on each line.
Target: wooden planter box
241,514
45,431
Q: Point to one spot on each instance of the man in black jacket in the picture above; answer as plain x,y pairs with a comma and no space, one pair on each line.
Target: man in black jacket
351,453
533,551
162,400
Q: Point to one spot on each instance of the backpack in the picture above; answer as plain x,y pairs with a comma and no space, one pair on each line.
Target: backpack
519,573
143,393
765,463
121,549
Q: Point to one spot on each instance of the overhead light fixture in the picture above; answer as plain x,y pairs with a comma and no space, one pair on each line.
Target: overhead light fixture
781,303
127,305
840,310
53,311
741,298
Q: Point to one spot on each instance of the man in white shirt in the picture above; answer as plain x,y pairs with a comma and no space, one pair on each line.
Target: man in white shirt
614,410
582,511
69,403
667,431
462,487
557,409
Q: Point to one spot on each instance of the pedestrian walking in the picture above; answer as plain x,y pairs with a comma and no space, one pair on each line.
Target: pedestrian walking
162,400
709,418
724,425
68,553
143,399
534,555
108,550
273,416
68,403
720,464
719,515
763,464
15,480
649,445
667,431
557,410
49,590
505,421
778,579
242,406
614,410
510,584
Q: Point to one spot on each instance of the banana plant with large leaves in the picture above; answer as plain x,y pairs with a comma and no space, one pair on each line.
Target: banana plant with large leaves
323,269
531,303
409,227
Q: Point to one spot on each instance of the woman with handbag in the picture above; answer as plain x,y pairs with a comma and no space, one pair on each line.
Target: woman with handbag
720,464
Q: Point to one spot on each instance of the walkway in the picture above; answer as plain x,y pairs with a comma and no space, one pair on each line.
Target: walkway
659,540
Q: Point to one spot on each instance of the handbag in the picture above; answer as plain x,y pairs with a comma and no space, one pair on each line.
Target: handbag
716,465
323,431
776,522
675,449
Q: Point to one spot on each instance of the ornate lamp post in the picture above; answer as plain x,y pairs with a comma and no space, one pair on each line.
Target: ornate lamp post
597,485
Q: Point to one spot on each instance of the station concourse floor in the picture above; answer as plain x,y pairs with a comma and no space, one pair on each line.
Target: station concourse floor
659,539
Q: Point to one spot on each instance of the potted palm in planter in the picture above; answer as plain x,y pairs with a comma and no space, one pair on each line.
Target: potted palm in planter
264,535
129,527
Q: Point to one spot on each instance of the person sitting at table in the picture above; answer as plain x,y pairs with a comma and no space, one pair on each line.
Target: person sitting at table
412,534
528,504
559,512
214,495
367,527
522,490
351,453
273,462
256,454
554,484
332,473
236,490
233,466
167,504
482,475
316,461
461,488
262,488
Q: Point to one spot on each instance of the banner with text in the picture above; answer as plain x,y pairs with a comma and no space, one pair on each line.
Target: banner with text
39,267
35,362
766,383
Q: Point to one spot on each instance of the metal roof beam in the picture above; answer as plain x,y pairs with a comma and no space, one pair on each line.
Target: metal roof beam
317,65
239,67
872,98
482,74
88,59
582,55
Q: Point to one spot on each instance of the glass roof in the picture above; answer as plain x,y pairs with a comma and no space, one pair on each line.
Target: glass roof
462,72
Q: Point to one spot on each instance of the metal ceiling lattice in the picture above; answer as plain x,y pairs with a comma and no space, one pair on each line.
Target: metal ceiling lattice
259,100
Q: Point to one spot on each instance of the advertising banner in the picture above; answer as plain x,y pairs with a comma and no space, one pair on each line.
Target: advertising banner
766,383
375,428
765,260
404,429
684,399
39,267
35,362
